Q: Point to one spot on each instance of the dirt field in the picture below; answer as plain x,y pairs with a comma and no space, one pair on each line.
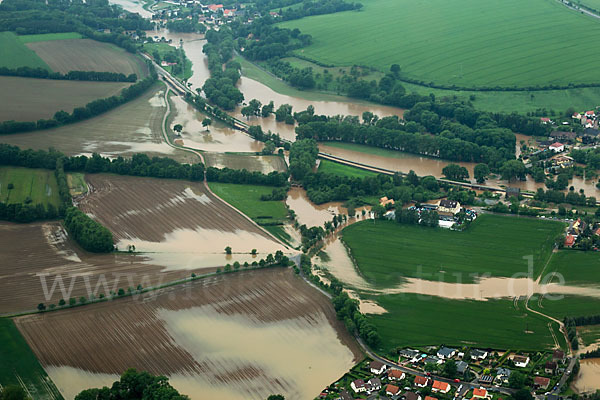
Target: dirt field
87,55
29,99
43,248
132,128
239,336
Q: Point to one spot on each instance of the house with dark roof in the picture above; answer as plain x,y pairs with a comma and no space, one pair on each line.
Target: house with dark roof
550,367
445,352
411,396
503,374
462,367
377,367
408,353
373,385
558,356
449,207
476,354
561,135
358,386
486,379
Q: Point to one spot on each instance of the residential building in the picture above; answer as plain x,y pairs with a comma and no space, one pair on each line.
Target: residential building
411,396
449,206
550,367
540,382
510,192
576,116
445,352
392,390
462,367
441,387
345,395
430,398
395,375
373,385
590,114
377,367
384,201
486,379
578,226
569,241
421,381
480,354
503,374
480,393
557,147
358,386
562,135
408,353
433,360
545,120
558,355
521,361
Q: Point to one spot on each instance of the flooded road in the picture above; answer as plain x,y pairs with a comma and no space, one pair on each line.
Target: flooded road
588,379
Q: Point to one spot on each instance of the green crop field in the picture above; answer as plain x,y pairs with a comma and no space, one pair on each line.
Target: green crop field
559,306
39,185
593,4
14,54
246,198
589,334
417,320
19,365
386,252
44,37
334,168
577,267
464,42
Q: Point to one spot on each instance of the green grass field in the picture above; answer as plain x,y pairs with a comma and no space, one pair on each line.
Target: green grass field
465,42
14,54
164,48
416,320
246,198
561,306
19,365
334,168
589,334
577,267
44,37
39,185
386,252
593,4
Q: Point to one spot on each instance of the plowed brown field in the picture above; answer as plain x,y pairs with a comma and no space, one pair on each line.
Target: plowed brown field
43,248
238,336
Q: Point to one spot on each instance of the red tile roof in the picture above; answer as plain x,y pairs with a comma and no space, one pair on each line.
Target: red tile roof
392,389
481,392
440,385
421,380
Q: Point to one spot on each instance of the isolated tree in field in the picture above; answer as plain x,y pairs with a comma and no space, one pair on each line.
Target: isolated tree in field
10,186
206,122
228,250
481,171
275,397
253,252
178,128
41,307
62,302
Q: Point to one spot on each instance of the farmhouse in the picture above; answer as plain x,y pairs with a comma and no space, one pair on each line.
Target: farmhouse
449,207
445,352
441,387
421,381
478,354
521,361
540,382
395,375
377,367
557,147
558,356
392,390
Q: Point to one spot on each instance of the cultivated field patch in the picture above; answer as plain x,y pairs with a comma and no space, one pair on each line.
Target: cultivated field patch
495,43
134,127
87,55
35,186
238,336
30,99
14,54
387,252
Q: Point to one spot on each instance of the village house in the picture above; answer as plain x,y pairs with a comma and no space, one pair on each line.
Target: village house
576,116
421,381
411,396
558,355
373,385
557,147
445,352
462,367
560,135
377,367
358,386
590,114
391,390
441,387
430,398
449,207
578,227
486,379
563,161
480,393
384,201
395,375
476,354
433,360
503,374
569,241
345,395
545,120
550,367
410,354
521,361
540,382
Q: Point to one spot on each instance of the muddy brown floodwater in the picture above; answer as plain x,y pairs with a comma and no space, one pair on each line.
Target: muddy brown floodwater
239,336
588,379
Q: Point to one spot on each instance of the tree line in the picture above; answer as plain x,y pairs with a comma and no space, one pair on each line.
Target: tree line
43,73
92,109
227,175
90,234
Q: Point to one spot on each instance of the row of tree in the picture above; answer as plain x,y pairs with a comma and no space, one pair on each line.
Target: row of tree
90,110
91,235
243,176
43,73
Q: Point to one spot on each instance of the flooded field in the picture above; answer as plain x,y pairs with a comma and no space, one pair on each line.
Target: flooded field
218,138
134,6
228,337
41,264
264,164
588,379
131,128
177,223
310,214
